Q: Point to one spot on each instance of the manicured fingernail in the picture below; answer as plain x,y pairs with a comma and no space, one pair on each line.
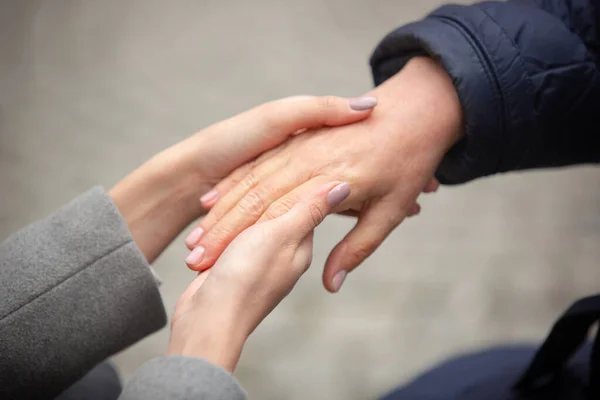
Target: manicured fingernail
338,280
194,236
209,197
363,103
338,194
196,256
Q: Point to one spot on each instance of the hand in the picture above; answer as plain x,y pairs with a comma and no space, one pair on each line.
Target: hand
388,159
223,305
160,198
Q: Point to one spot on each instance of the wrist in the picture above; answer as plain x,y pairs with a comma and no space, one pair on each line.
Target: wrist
158,200
218,340
423,93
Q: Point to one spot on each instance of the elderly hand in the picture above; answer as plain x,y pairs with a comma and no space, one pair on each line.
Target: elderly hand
388,159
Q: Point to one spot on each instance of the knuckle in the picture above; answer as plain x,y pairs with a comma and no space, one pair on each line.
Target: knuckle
279,208
213,216
218,238
252,204
237,176
248,181
317,213
328,103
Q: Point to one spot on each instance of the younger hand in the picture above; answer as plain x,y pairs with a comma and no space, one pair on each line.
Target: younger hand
223,305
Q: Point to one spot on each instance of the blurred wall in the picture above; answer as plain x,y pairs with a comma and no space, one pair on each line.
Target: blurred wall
90,89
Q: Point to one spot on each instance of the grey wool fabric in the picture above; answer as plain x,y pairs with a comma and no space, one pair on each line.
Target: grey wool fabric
74,290
188,378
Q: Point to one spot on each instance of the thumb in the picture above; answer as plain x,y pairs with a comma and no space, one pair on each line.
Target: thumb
267,126
310,211
279,119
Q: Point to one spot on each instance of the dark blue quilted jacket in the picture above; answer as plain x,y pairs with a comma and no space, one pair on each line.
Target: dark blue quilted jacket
527,75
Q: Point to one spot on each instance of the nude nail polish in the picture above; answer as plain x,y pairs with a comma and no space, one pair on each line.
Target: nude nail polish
338,194
338,280
194,236
196,256
209,197
363,103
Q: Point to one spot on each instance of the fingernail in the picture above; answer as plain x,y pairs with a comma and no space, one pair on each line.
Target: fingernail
363,103
338,280
194,236
209,197
196,256
338,194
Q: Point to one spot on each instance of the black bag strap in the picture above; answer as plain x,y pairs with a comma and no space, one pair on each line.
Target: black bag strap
566,336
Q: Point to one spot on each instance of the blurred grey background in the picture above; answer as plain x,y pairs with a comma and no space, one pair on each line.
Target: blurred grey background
91,89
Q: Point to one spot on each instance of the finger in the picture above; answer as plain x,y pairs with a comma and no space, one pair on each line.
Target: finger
209,199
279,120
238,188
297,114
414,210
239,209
432,186
287,201
310,211
373,226
234,178
270,124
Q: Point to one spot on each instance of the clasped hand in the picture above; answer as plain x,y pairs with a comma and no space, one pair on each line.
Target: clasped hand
256,241
388,160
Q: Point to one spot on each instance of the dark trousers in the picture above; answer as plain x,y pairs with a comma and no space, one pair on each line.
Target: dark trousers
101,383
492,374
564,367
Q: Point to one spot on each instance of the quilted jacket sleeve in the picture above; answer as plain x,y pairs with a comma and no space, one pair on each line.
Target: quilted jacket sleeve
526,73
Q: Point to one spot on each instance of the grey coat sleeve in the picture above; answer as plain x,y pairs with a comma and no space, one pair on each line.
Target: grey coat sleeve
182,378
74,290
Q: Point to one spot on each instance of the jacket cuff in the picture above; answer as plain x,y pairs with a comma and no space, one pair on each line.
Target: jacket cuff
451,36
77,290
182,378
